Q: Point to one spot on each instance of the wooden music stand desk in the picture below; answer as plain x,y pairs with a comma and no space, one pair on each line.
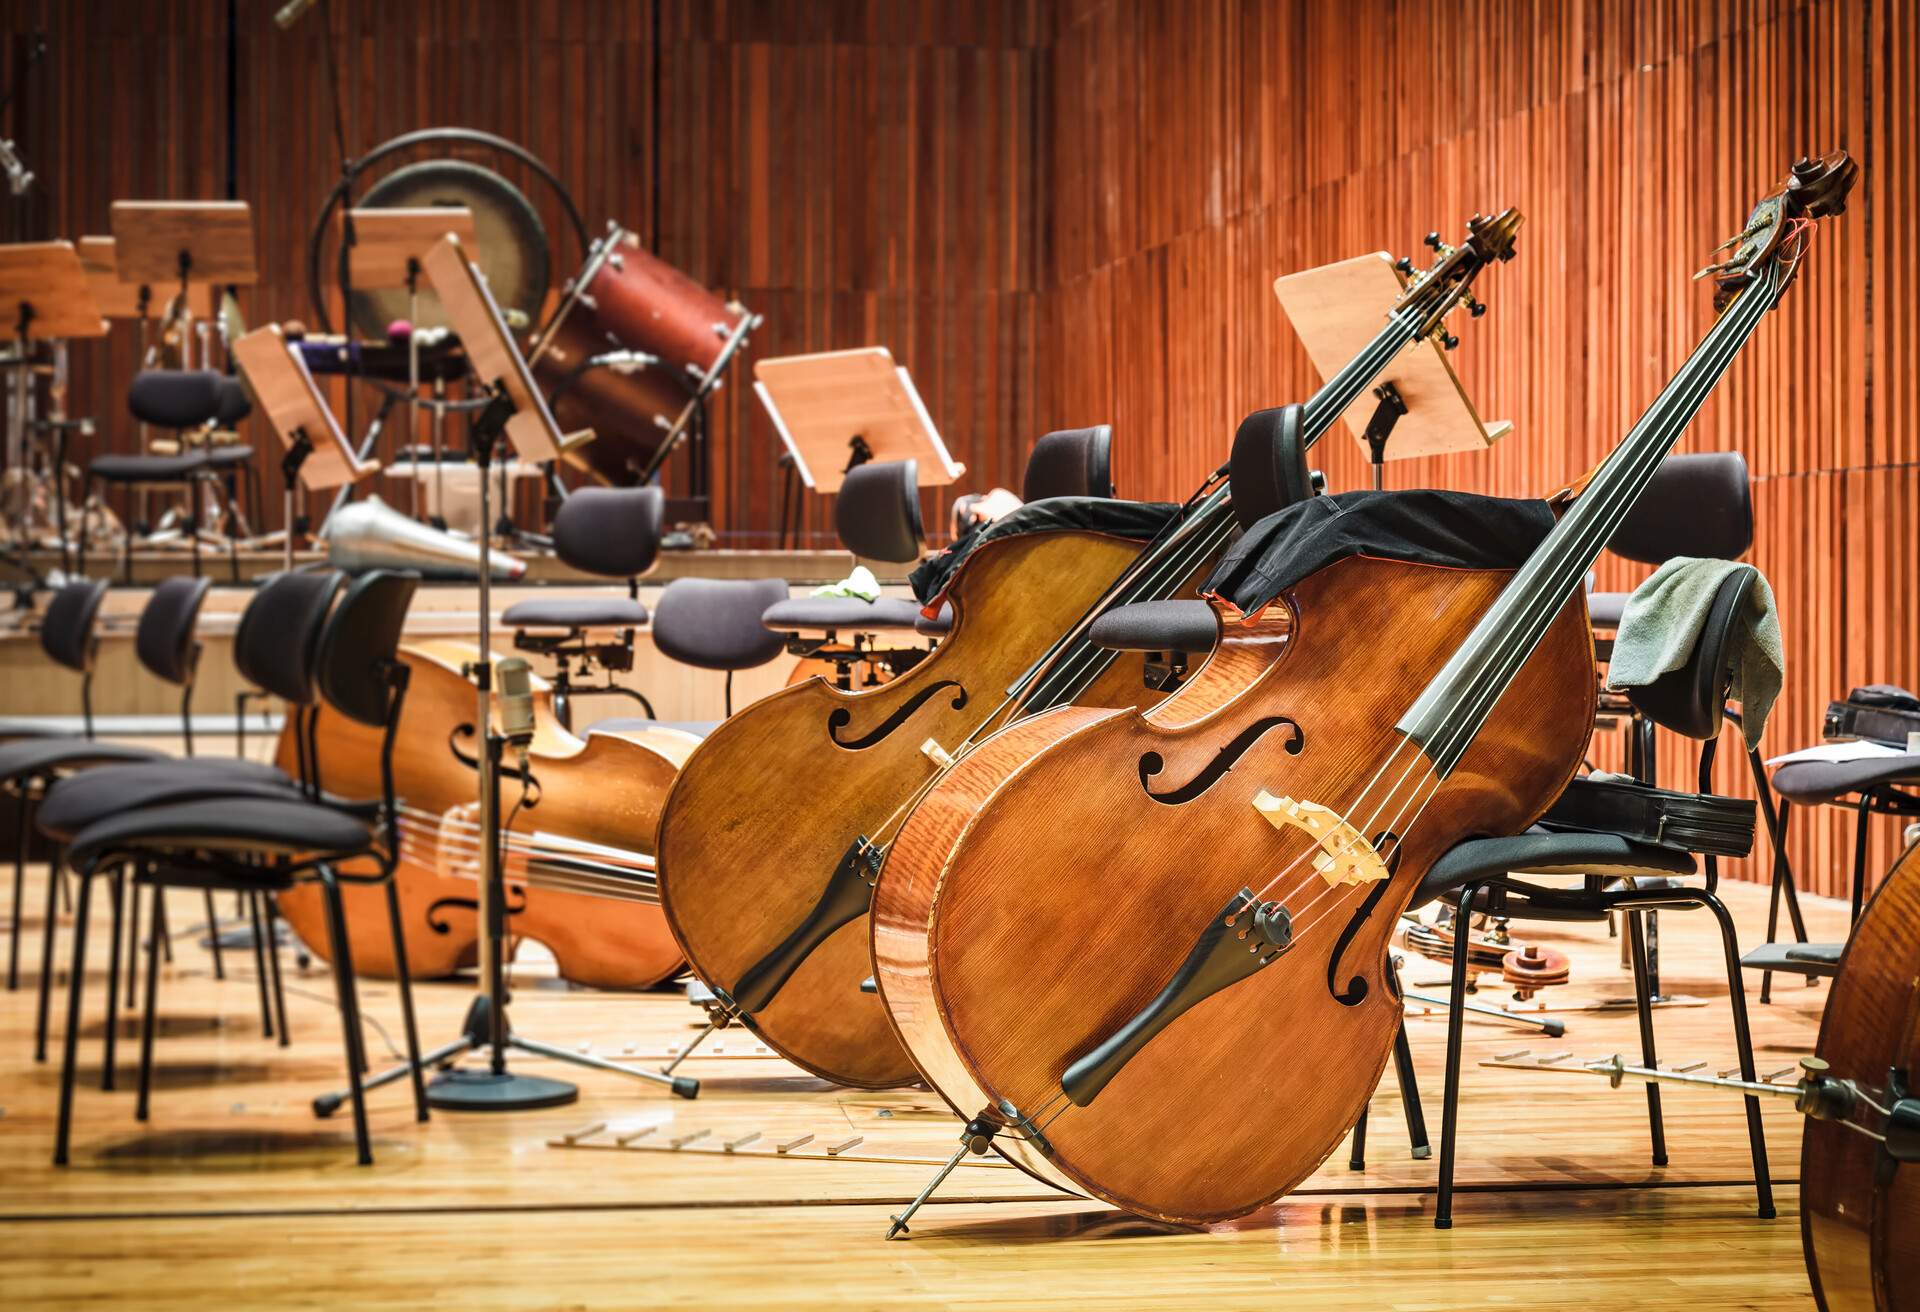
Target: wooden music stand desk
160,242
492,353
294,407
121,300
390,246
837,409
1337,309
44,292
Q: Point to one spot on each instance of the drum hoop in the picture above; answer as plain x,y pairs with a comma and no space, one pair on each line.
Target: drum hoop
597,255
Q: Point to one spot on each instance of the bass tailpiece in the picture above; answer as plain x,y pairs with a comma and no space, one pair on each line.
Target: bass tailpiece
1237,943
848,894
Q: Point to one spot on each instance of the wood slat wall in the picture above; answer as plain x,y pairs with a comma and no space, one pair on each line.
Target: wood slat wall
1067,212
1199,150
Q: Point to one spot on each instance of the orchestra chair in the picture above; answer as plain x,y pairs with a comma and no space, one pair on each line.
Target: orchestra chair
876,515
275,648
614,533
1617,875
254,844
1072,462
182,400
1879,785
710,624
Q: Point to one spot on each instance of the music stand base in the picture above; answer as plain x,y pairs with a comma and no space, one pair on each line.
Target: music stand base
507,1091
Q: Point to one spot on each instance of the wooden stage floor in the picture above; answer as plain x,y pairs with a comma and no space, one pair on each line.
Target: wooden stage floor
235,1196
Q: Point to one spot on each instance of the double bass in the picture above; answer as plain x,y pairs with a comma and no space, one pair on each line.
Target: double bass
1144,955
773,831
578,866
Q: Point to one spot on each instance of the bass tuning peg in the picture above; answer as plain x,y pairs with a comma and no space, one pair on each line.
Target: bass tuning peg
1433,240
1404,264
1449,341
1476,308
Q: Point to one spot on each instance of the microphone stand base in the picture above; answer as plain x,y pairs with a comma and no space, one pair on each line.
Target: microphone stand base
485,1091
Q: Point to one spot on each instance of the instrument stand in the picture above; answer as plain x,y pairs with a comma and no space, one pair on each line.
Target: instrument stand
1380,428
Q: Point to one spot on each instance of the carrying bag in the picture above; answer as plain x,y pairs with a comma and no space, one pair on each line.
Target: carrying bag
1688,822
1880,713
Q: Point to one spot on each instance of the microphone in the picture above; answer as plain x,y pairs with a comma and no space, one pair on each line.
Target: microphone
516,705
291,12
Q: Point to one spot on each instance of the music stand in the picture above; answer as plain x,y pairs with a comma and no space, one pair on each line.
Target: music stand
318,455
1417,399
157,242
518,412
43,290
387,249
837,409
118,299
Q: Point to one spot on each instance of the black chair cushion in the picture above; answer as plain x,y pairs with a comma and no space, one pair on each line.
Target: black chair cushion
66,630
279,632
714,624
610,531
939,626
1695,505
1811,783
1544,853
877,510
841,615
26,757
164,640
1073,462
1814,960
636,724
1692,699
233,824
575,613
83,800
1606,608
177,398
1177,625
228,454
148,468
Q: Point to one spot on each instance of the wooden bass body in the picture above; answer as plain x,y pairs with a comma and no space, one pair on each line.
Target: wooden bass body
1048,887
768,805
1859,1212
597,803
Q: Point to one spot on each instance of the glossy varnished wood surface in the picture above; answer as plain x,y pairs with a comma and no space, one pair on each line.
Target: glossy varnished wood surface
1054,899
768,804
233,1195
606,790
1862,1229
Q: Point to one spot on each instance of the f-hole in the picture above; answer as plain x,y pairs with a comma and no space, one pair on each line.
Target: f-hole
1356,990
841,718
1152,763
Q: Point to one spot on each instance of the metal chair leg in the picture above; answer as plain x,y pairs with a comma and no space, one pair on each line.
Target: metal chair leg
1743,1037
252,901
405,977
133,936
1456,1024
46,960
76,980
349,1011
1357,1157
1410,1095
19,891
1642,999
272,916
156,931
213,935
117,890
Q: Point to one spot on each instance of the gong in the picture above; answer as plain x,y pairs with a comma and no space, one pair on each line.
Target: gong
512,247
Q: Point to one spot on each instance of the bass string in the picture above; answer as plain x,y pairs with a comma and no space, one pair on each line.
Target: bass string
613,889
466,830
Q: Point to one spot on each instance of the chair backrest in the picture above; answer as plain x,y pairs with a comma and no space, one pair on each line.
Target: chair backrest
1073,462
1692,699
164,641
714,624
1695,505
176,398
360,644
877,510
610,531
1268,465
279,633
233,402
66,630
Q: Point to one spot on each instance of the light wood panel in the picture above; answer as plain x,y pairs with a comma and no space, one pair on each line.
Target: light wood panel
1199,150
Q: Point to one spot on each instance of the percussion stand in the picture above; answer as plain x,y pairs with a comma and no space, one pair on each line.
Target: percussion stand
496,1088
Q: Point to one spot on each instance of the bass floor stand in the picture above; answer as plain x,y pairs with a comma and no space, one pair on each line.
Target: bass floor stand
495,1087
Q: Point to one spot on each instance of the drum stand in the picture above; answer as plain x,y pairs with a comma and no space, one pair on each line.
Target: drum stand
495,1088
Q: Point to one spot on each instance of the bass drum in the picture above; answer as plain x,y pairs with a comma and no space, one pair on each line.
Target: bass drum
629,413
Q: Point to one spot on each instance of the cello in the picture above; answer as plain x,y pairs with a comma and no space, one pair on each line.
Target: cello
1060,901
579,874
773,831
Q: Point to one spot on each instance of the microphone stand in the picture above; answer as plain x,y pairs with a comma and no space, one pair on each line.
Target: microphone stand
495,1088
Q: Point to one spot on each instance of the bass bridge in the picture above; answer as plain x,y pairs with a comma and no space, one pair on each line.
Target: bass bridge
1344,856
